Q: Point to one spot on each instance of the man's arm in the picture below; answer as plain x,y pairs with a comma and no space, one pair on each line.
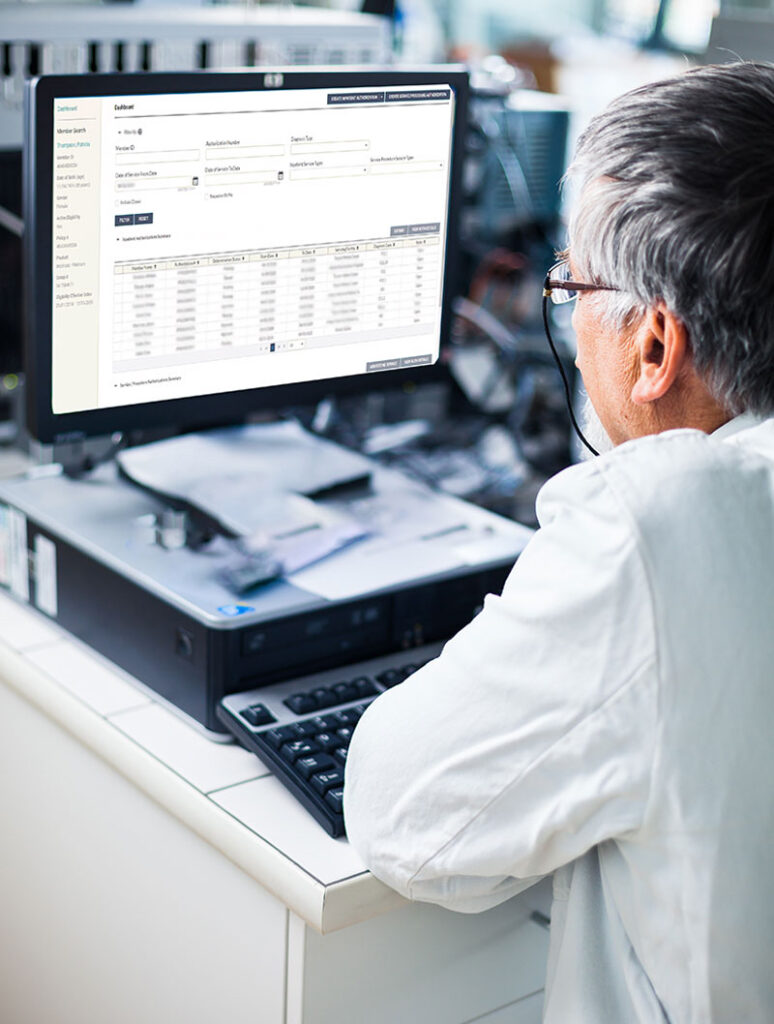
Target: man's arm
530,739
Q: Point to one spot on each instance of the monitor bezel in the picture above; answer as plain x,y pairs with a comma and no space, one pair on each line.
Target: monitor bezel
230,406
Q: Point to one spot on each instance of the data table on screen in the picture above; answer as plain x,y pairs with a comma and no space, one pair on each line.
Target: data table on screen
170,311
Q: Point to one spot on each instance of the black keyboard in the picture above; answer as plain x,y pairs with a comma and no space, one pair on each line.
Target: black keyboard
301,729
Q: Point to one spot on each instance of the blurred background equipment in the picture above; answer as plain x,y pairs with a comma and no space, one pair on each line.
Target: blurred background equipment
746,30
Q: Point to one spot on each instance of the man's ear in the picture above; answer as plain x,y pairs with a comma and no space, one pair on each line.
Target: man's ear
662,352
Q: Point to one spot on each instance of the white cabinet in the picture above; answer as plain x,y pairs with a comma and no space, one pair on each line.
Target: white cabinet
113,912
418,965
150,876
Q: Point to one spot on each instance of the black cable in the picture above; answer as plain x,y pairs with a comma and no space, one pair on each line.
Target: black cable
567,395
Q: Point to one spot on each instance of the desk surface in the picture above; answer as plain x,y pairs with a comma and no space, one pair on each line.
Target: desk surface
223,793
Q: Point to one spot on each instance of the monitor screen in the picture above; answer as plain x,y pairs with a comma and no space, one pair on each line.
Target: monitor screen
205,244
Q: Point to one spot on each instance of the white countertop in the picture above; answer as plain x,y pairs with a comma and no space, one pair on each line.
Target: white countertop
220,791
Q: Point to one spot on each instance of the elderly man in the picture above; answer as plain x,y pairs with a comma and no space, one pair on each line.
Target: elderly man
608,718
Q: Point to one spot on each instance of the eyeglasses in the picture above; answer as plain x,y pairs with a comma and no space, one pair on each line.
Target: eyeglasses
559,286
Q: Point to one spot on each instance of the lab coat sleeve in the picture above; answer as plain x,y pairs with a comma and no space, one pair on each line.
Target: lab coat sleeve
531,738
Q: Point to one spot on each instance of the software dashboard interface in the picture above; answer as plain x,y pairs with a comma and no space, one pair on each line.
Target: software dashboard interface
213,242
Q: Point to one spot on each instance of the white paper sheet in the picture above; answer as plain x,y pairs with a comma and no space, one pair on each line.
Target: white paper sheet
418,533
231,474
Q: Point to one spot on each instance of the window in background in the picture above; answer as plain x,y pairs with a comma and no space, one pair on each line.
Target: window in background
687,23
678,25
490,25
630,19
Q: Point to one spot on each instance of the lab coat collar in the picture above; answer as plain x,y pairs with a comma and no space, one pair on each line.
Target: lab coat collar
744,421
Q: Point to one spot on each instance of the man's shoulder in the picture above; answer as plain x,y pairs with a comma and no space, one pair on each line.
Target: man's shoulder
688,471
676,474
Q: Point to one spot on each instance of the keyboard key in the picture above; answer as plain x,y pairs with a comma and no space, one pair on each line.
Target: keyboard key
359,709
325,698
327,740
391,677
276,737
345,692
344,734
258,714
341,718
365,687
309,766
328,780
335,799
341,755
301,703
297,748
300,730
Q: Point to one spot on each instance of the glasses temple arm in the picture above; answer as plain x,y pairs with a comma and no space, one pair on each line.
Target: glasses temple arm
567,394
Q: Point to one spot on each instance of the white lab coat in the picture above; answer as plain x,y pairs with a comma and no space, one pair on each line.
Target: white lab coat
608,719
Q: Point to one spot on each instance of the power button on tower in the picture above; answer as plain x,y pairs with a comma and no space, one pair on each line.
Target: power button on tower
184,643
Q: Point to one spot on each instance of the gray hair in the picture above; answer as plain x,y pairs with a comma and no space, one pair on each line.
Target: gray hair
676,205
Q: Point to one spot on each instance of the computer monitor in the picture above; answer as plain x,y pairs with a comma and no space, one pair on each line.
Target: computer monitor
202,245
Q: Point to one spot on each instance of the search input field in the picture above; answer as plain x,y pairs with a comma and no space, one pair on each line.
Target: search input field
240,152
334,146
315,173
149,172
146,184
253,177
156,156
237,164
